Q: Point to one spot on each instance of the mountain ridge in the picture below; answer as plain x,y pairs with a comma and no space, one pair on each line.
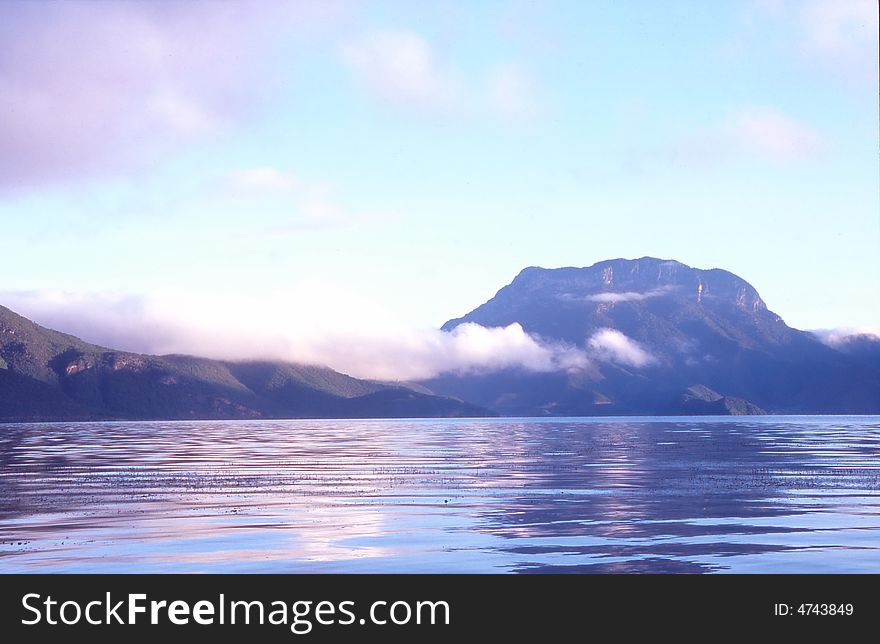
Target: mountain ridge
658,337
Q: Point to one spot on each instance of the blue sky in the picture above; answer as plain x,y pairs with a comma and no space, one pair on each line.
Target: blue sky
380,167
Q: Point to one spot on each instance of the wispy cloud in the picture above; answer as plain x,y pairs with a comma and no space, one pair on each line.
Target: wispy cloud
308,203
629,296
838,36
613,346
264,178
765,133
843,29
773,135
97,87
512,92
403,67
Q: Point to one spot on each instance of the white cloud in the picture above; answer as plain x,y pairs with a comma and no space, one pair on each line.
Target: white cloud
263,178
102,87
311,322
309,203
183,115
613,346
773,135
839,337
629,296
474,348
402,66
840,28
762,132
837,36
512,93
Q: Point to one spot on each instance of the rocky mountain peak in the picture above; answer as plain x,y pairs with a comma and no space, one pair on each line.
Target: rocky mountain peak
648,330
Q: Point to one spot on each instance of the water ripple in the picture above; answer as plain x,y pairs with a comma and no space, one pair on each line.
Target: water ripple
777,494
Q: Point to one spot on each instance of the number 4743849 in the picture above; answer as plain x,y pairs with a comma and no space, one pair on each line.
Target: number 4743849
825,609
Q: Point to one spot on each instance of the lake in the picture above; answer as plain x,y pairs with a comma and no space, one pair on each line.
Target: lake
691,495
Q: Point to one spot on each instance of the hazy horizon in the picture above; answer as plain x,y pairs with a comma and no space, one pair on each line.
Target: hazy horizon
329,182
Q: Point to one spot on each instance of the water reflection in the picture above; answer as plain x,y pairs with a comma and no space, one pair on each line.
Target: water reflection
572,495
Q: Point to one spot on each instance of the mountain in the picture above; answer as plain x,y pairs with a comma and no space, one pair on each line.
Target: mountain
662,338
651,336
47,375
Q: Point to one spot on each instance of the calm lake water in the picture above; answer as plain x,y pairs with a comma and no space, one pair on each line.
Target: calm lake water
769,494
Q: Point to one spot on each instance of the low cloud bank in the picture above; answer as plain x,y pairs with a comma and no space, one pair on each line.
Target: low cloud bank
310,323
837,338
